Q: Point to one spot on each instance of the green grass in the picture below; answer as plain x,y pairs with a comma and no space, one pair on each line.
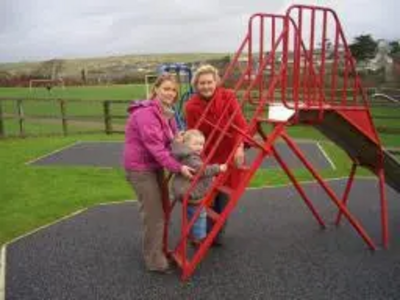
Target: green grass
338,156
305,132
52,107
385,111
35,195
390,140
395,123
53,127
110,92
104,92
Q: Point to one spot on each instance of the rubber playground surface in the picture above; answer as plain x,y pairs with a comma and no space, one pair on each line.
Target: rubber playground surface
108,154
274,249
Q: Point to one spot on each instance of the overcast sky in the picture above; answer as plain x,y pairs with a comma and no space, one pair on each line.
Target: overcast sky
45,29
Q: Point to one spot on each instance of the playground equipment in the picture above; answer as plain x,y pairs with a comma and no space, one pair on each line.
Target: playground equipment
300,87
183,75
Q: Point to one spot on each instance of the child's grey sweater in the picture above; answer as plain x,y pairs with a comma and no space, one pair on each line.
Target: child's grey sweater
181,184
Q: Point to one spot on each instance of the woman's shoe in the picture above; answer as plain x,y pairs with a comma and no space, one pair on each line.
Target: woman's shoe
167,270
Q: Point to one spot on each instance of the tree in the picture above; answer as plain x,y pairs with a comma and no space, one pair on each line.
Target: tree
394,47
83,75
363,47
328,47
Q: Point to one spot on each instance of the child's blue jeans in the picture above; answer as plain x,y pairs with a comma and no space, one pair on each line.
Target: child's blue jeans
199,229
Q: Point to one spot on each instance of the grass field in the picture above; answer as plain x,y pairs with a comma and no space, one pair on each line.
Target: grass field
111,92
33,196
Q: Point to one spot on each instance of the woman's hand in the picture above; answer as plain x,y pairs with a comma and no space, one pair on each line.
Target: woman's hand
239,156
187,171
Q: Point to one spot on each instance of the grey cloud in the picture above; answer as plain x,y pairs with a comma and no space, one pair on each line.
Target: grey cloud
42,29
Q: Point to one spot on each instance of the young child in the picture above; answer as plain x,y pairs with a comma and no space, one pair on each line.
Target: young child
187,150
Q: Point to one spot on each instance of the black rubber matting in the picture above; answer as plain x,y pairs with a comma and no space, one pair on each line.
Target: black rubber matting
274,250
109,154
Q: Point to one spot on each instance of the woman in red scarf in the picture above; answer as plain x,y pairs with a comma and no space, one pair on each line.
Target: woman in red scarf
205,81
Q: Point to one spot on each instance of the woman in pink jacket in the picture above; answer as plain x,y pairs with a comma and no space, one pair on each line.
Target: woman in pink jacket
149,132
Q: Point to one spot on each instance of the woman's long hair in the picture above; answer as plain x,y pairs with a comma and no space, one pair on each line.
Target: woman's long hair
160,80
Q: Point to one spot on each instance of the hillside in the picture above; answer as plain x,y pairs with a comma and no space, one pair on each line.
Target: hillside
101,65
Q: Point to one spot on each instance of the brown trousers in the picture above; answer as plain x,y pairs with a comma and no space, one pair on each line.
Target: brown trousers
148,188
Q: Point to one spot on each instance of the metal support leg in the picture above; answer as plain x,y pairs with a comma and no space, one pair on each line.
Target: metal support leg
299,188
346,192
357,226
384,214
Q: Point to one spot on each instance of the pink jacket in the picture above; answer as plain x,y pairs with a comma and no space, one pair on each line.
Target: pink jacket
148,138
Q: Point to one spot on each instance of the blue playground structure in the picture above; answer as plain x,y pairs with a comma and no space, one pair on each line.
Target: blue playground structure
185,88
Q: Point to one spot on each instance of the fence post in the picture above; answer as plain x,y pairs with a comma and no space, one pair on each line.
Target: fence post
64,118
20,111
2,133
107,117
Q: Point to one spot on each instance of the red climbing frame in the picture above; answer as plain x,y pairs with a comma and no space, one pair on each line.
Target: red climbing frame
300,72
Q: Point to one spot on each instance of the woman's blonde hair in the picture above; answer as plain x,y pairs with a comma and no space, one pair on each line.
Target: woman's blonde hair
160,80
205,69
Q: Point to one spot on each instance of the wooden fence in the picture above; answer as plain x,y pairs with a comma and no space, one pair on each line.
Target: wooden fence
21,117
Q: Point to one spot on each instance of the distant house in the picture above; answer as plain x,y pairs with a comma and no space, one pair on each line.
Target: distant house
396,64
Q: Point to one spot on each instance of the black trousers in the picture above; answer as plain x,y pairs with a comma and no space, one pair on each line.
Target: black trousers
220,201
